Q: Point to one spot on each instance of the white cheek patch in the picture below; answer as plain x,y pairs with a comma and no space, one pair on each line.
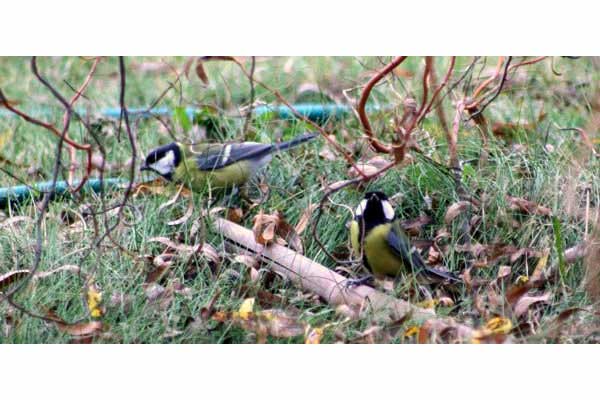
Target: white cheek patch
388,210
165,165
361,208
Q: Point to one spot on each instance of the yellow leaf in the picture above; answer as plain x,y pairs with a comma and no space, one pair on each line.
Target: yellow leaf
314,336
5,137
522,280
94,301
495,326
431,303
499,325
411,331
541,264
246,308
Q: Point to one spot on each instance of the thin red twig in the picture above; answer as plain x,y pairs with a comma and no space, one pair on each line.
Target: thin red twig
364,120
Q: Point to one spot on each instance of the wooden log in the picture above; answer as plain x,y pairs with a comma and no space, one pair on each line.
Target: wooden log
329,285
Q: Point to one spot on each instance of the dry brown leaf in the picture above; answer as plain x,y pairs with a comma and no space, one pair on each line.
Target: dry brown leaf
79,330
369,167
305,218
494,331
201,73
162,267
503,271
527,206
268,226
9,222
185,217
91,328
264,227
247,260
525,302
274,322
414,226
176,246
211,253
455,210
235,214
172,200
12,277
327,154
67,267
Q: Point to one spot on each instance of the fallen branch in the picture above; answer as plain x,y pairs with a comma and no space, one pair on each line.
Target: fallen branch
329,285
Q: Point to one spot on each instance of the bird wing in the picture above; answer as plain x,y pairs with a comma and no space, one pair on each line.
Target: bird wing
219,156
400,245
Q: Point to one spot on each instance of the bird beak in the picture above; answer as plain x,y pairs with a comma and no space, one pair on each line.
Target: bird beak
144,167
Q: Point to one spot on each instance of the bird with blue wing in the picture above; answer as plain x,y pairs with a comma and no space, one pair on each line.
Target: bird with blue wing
385,248
215,165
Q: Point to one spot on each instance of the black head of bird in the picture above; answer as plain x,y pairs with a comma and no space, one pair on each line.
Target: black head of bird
163,160
374,209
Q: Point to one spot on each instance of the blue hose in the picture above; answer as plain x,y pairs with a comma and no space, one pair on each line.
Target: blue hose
312,111
22,192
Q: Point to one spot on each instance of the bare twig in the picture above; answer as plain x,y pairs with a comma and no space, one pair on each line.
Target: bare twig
364,119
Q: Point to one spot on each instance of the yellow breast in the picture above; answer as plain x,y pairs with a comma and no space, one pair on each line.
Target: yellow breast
378,253
233,175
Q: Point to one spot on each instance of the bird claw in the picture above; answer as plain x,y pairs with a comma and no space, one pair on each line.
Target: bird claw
365,280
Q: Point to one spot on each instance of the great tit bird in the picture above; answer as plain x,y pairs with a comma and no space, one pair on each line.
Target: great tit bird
219,165
385,248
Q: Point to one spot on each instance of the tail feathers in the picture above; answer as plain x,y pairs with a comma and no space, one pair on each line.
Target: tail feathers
431,273
440,275
296,141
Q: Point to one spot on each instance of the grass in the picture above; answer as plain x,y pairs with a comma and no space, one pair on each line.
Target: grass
544,165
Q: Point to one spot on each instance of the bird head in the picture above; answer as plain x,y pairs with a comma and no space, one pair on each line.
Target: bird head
163,160
375,209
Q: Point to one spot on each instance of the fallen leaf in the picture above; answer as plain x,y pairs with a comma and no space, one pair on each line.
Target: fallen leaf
5,137
369,167
91,328
411,331
9,222
327,154
11,277
63,268
235,214
172,200
247,260
176,246
415,226
314,336
267,227
525,302
264,228
503,271
305,218
185,217
201,72
527,206
274,322
455,210
246,308
495,331
94,301
540,266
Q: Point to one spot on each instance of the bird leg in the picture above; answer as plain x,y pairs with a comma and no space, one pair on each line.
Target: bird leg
368,280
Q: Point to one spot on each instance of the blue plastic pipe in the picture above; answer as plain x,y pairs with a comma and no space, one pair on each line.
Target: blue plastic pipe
22,192
312,111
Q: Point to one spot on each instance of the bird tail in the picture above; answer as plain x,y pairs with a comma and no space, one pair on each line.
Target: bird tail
432,274
296,141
